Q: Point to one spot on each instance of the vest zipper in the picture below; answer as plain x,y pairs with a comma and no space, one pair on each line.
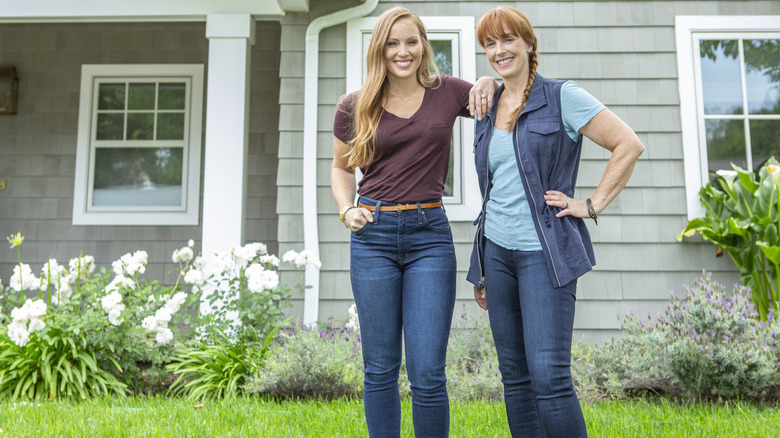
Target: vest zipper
536,207
487,193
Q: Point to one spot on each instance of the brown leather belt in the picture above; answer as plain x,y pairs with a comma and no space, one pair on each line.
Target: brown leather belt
401,207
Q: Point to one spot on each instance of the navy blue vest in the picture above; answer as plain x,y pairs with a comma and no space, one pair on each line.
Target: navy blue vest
547,159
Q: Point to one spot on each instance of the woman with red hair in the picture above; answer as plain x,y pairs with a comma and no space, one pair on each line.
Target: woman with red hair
532,243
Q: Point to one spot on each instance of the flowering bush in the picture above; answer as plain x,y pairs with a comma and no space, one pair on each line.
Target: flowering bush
706,344
130,325
312,362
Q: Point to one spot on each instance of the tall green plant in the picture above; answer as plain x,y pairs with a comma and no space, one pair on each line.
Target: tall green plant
741,218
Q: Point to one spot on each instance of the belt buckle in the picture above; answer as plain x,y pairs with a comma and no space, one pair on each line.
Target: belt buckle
398,208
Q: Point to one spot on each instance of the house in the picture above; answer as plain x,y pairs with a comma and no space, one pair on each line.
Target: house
230,104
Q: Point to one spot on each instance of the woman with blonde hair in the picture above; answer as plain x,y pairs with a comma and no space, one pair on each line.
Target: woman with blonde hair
532,243
397,129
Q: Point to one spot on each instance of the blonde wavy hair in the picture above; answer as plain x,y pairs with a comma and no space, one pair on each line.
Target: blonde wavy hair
367,103
492,26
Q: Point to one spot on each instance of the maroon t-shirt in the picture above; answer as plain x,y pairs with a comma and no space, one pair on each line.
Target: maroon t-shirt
412,156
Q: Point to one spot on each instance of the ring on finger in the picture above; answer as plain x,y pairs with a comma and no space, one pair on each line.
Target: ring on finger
566,205
484,96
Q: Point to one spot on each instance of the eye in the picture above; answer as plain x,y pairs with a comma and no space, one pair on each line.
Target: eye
412,42
490,44
391,44
509,39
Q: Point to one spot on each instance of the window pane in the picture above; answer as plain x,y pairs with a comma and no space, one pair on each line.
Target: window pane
110,126
172,96
140,96
762,67
138,177
170,126
442,50
725,144
140,126
764,143
111,97
721,83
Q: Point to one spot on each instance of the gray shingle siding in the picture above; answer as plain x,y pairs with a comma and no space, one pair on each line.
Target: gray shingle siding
624,53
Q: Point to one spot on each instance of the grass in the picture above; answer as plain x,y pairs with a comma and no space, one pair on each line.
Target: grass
170,417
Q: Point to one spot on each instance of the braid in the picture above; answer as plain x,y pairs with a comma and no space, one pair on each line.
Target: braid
533,62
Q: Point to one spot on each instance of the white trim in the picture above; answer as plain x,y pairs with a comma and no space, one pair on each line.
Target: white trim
138,10
464,206
685,28
227,130
311,240
190,174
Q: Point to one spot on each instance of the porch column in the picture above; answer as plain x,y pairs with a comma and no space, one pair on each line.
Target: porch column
231,37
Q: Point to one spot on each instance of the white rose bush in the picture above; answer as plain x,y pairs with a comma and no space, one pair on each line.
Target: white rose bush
121,331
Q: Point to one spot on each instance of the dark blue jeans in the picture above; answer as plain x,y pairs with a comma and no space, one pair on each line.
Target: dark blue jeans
532,324
403,277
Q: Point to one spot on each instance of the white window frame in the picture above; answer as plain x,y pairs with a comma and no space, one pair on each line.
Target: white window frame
688,30
91,75
465,203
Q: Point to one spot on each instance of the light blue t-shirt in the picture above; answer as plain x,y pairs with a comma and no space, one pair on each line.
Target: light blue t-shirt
508,222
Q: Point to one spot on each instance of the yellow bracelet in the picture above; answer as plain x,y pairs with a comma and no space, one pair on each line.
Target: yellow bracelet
344,211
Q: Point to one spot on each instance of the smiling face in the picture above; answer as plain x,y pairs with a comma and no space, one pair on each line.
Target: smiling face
508,55
403,49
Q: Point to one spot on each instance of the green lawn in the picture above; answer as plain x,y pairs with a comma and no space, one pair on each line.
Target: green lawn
163,417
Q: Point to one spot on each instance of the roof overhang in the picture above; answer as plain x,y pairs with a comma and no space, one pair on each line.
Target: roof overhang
24,11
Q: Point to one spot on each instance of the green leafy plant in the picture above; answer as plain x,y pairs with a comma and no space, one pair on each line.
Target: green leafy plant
56,362
312,362
220,368
741,219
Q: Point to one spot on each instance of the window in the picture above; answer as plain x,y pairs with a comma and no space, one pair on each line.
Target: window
729,71
452,39
139,143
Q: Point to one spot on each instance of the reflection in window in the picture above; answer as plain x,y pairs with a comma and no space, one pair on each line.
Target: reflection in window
740,98
442,50
138,177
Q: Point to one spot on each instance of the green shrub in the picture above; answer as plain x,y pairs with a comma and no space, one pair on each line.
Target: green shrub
706,344
312,362
218,369
55,362
472,362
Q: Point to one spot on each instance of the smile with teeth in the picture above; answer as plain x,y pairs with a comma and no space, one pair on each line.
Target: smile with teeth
504,61
404,64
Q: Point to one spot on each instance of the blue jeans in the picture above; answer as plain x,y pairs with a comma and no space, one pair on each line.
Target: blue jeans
403,277
532,324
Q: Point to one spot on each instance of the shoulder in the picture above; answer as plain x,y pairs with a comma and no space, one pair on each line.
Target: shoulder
450,83
347,101
572,94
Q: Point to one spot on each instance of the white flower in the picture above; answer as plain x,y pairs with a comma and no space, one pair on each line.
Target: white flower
53,273
18,334
243,255
130,265
119,282
111,300
270,260
162,315
20,315
194,277
174,304
182,255
24,279
37,308
259,279
289,256
164,336
149,323
257,248
191,243
306,258
354,322
36,325
115,313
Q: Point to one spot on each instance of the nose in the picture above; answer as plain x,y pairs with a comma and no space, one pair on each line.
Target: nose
404,50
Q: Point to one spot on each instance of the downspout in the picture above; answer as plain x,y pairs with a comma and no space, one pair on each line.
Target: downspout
311,240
